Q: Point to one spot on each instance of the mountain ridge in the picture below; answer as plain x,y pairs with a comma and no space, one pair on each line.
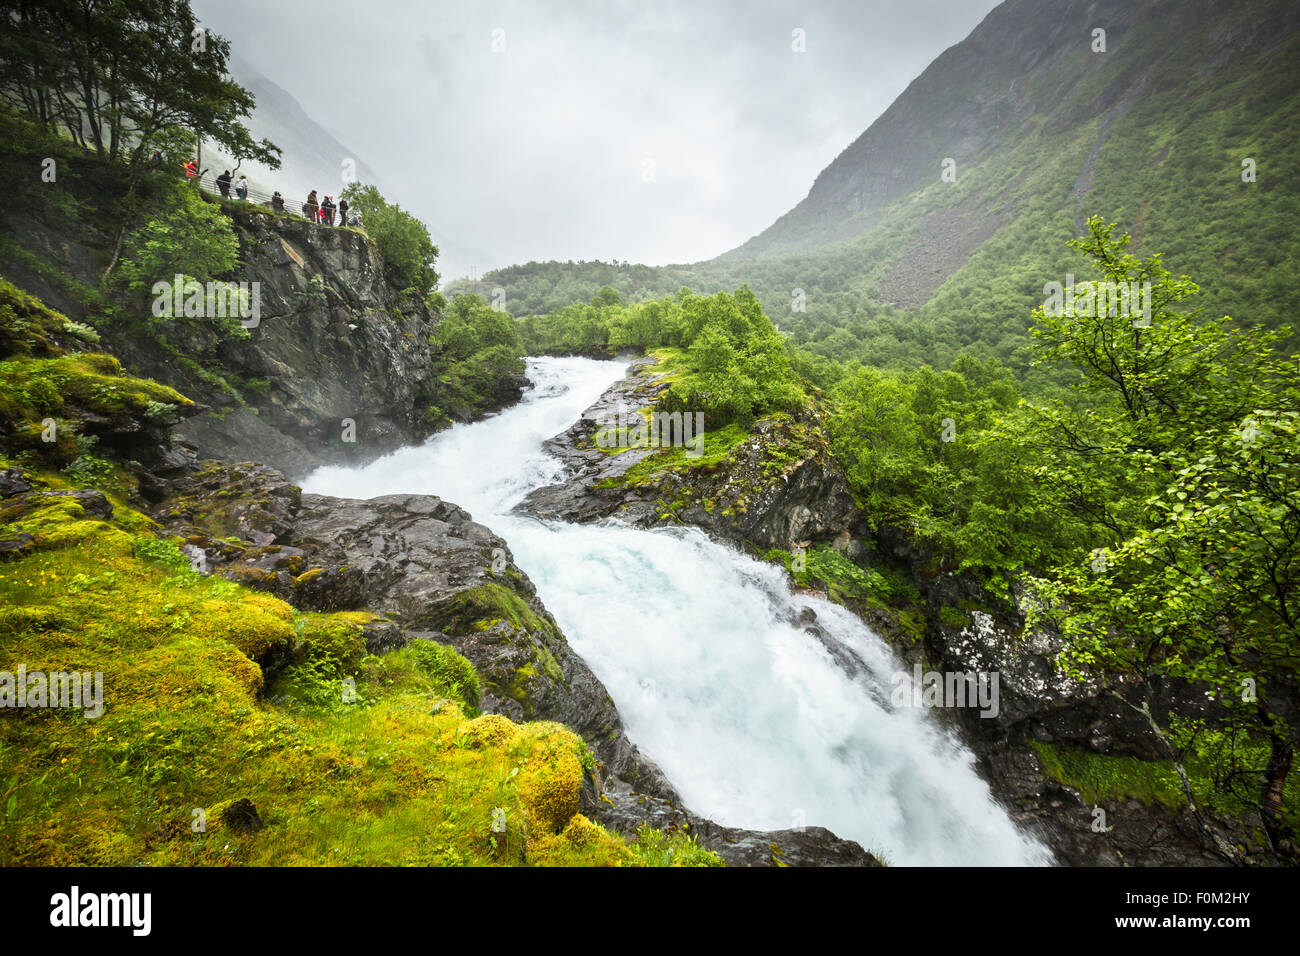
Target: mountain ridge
898,267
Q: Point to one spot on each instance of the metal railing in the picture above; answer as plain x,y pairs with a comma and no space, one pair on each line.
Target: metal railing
208,183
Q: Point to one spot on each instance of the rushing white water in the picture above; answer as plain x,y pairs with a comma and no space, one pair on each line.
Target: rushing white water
752,718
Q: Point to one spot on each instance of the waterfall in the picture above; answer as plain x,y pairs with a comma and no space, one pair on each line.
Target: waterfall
757,721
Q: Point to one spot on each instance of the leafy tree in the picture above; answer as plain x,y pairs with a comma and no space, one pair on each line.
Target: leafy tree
117,75
1185,453
187,235
932,454
477,361
607,295
402,239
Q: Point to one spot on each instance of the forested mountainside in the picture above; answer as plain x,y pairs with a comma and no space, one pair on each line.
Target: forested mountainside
899,267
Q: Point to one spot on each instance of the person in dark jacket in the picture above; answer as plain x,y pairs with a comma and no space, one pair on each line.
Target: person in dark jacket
327,210
277,202
223,184
343,212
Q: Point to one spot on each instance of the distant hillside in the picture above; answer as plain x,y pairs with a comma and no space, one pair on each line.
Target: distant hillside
897,266
312,156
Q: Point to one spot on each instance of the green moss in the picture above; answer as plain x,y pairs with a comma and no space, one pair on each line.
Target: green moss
450,672
333,640
27,325
387,779
550,779
579,838
68,390
911,623
1100,777
489,603
96,382
953,617
718,445
490,729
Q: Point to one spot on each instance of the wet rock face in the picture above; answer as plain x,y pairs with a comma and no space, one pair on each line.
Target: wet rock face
335,342
1038,704
622,808
13,481
428,566
245,500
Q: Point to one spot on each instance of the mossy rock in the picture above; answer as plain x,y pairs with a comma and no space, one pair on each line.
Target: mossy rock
336,641
579,838
27,325
255,624
490,730
463,612
550,783
238,815
364,783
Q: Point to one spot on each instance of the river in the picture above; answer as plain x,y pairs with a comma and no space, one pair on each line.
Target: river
751,717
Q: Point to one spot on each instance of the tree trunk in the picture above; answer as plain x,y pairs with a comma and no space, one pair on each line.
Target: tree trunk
1270,795
121,232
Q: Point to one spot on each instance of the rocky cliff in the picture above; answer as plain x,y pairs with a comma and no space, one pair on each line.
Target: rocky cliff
339,367
779,487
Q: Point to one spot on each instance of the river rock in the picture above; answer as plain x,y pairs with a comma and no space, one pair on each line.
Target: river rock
753,498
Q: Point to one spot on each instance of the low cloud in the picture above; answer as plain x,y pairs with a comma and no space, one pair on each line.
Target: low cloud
538,149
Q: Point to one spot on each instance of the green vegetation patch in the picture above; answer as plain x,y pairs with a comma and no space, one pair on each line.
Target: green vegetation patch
1103,777
718,447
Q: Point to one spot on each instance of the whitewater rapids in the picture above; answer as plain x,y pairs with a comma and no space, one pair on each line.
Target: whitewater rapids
752,718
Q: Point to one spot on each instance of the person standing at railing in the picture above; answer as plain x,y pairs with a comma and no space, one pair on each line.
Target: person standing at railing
343,212
327,211
223,184
241,188
311,208
277,202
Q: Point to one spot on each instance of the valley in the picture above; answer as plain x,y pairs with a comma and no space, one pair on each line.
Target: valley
952,520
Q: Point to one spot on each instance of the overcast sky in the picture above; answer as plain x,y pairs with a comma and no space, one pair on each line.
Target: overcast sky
654,132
